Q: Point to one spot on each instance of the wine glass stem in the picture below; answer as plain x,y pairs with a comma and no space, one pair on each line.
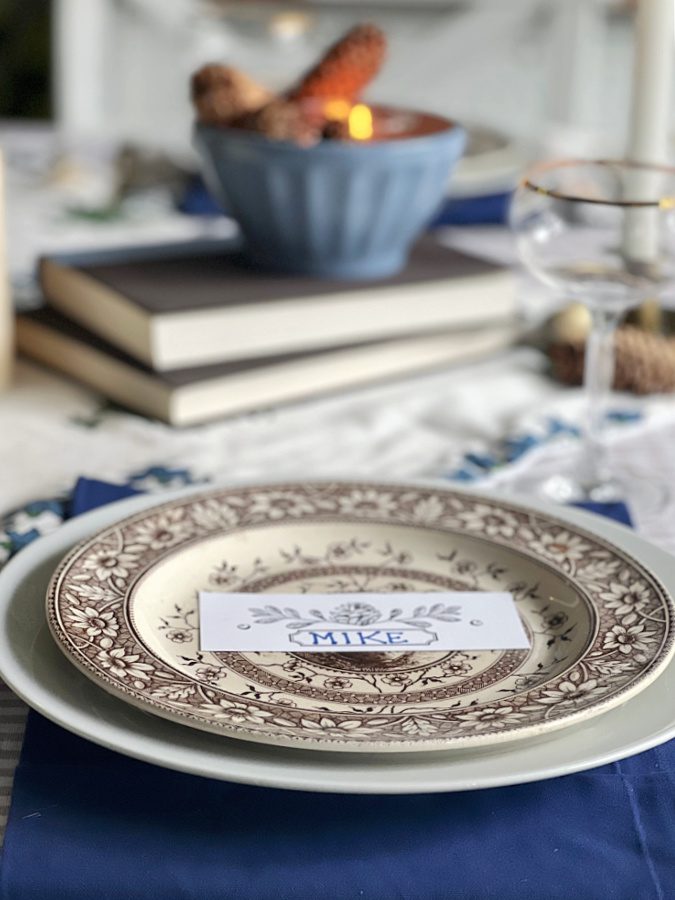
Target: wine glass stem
598,381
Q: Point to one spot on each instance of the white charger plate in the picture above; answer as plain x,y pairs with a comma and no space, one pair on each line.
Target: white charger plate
37,671
123,608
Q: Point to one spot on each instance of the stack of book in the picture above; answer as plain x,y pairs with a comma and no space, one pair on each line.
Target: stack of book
188,333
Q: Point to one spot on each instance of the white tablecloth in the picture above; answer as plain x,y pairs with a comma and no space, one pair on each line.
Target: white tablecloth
52,431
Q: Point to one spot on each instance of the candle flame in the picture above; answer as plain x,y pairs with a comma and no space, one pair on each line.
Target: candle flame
361,122
337,110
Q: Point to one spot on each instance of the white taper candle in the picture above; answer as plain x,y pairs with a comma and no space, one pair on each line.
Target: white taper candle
6,314
650,115
650,120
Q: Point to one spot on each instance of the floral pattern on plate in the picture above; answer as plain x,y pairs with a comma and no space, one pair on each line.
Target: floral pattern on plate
123,608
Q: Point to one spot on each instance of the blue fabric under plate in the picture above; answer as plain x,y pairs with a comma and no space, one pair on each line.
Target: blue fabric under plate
89,823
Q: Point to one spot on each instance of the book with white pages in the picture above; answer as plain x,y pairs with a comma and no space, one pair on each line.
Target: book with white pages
197,394
194,304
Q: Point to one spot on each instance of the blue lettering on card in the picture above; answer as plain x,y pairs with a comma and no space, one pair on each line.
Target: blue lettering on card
396,637
359,637
371,637
327,638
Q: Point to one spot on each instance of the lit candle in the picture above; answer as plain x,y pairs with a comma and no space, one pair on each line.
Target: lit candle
650,116
6,317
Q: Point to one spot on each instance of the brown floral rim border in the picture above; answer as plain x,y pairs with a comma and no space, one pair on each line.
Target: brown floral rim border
324,732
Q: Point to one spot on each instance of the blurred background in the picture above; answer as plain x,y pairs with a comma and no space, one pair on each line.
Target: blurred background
119,68
96,115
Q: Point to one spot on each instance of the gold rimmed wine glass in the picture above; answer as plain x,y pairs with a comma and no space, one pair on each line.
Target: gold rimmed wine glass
600,232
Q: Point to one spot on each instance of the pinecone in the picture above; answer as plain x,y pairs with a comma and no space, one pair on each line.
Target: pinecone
645,363
285,120
222,94
346,68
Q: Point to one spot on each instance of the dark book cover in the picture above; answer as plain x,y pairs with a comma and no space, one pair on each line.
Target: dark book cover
213,275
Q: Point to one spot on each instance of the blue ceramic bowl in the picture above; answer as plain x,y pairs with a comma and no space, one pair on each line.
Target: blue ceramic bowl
337,209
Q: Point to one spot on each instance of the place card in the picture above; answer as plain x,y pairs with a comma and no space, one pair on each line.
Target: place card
315,623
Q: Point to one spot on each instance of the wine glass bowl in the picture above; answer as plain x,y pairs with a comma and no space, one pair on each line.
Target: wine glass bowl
600,232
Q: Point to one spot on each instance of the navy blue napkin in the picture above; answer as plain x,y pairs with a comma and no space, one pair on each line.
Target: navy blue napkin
488,209
482,209
88,823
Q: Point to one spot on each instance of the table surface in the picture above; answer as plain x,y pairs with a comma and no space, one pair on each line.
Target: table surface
54,431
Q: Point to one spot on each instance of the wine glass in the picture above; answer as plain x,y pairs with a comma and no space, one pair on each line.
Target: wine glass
600,232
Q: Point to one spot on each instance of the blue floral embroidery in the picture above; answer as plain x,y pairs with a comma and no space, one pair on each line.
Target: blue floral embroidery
24,525
624,415
475,466
31,521
161,478
40,517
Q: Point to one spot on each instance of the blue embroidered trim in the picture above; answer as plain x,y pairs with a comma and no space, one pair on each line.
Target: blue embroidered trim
40,517
476,465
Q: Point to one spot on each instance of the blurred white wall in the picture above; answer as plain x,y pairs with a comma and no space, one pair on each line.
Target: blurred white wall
552,70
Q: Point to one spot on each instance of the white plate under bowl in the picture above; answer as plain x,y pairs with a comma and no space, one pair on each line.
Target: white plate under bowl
492,164
33,666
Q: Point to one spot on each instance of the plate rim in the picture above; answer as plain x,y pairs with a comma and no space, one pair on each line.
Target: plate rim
297,769
494,738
